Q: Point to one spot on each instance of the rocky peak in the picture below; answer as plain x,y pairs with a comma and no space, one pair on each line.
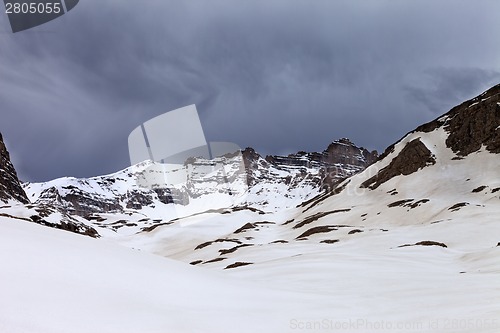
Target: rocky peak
344,151
10,188
269,182
341,159
469,126
472,124
341,151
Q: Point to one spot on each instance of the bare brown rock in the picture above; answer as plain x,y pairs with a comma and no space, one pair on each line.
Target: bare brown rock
10,187
414,156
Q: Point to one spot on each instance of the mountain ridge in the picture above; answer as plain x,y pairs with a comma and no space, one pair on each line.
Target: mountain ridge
419,226
300,175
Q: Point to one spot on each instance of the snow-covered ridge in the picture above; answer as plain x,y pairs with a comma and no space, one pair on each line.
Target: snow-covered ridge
427,233
161,192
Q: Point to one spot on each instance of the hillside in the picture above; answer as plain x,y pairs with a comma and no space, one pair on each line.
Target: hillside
313,241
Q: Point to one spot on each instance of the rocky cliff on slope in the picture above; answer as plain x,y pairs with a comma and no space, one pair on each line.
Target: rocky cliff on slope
341,159
469,127
10,188
414,156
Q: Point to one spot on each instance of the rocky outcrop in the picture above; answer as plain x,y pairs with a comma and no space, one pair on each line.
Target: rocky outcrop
475,123
294,177
470,125
339,161
74,201
10,188
340,152
414,156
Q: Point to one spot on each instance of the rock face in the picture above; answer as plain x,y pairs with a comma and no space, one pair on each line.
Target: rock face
10,188
340,152
475,123
469,126
414,156
325,170
274,182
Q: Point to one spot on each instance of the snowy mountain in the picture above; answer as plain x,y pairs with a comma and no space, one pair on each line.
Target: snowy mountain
144,195
17,205
439,185
311,241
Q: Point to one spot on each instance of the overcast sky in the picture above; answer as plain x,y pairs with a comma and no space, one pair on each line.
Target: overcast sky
276,75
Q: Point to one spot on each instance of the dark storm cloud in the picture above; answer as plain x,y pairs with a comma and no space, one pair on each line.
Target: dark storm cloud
279,75
446,87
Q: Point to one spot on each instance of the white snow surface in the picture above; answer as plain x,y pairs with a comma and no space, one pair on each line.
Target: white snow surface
54,281
361,273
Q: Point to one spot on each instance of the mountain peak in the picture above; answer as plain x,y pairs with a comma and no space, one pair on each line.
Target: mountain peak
469,126
472,124
10,187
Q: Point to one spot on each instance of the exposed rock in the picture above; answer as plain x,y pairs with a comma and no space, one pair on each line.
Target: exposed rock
238,264
340,160
457,206
411,203
141,186
10,187
399,203
214,260
71,226
233,249
247,226
172,195
318,199
220,240
317,216
279,241
329,241
426,243
414,156
472,124
479,189
316,230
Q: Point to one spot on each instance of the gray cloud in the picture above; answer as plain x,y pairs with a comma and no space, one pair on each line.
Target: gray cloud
279,76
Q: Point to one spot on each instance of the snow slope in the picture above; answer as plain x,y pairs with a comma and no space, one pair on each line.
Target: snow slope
54,281
411,244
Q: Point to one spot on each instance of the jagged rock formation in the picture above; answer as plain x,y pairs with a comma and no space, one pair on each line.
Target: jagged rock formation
248,180
342,152
475,123
414,156
469,126
20,208
472,124
340,160
10,188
